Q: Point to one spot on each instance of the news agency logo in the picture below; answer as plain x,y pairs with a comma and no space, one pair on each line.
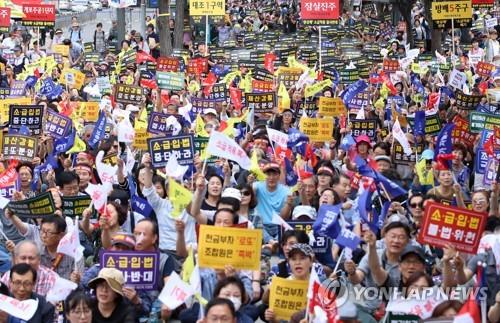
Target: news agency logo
335,292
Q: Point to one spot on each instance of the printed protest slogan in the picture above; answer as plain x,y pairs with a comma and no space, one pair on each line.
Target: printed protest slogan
128,94
331,107
261,103
318,130
287,297
444,225
35,207
221,246
30,116
483,121
162,148
19,147
140,269
57,125
75,205
364,127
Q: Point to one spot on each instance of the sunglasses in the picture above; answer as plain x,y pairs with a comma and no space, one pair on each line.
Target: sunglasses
420,205
246,193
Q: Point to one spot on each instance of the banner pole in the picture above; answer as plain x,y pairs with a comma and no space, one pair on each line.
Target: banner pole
453,37
320,56
206,33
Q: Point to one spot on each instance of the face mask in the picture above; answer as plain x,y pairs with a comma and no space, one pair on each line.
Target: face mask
236,302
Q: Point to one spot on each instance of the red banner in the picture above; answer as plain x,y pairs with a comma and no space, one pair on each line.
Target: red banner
168,64
39,15
4,19
197,66
320,9
461,132
444,225
262,86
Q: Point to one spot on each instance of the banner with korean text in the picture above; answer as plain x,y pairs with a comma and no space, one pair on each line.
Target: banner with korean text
221,246
287,297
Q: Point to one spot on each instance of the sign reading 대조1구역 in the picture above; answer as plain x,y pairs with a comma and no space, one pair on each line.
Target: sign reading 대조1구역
207,7
139,268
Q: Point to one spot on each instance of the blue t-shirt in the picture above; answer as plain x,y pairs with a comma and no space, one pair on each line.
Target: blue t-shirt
270,202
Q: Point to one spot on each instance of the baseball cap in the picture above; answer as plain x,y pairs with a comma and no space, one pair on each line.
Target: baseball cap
427,154
271,166
384,158
112,276
303,248
232,192
306,210
413,250
211,110
17,48
119,196
123,238
363,138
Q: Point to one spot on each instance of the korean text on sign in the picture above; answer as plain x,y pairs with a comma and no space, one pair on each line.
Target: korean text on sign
39,15
158,122
207,7
19,147
57,125
364,127
181,147
35,207
445,225
127,94
140,269
451,10
26,115
319,130
261,102
331,107
220,246
287,297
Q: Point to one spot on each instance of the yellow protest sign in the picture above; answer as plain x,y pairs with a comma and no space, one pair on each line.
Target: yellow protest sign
221,246
179,196
89,111
207,8
4,107
331,107
319,130
141,139
72,78
451,10
61,49
287,297
311,90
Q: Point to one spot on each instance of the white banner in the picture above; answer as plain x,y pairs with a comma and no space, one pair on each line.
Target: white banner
457,79
60,290
278,137
23,310
222,146
175,292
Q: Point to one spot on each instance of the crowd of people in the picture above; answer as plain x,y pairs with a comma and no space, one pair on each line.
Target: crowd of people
343,194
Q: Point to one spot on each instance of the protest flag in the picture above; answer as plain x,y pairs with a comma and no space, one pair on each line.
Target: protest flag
400,136
179,196
137,203
470,311
391,188
327,222
419,124
199,129
284,97
224,147
489,145
278,220
291,177
443,142
208,83
269,59
78,145
70,242
348,239
364,206
352,90
255,168
175,292
235,95
312,290
173,169
188,266
99,195
150,84
142,57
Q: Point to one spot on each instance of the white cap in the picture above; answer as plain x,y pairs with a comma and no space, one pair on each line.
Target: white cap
211,110
307,210
132,108
232,192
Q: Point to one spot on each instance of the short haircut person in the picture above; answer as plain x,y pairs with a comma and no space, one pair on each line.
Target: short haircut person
232,280
396,225
26,242
235,216
300,235
67,177
336,179
220,301
154,225
235,204
22,269
75,298
57,220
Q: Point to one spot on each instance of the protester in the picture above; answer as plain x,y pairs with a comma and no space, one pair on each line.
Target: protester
276,156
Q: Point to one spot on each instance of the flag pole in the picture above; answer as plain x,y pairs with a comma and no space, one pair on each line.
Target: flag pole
76,228
338,261
271,142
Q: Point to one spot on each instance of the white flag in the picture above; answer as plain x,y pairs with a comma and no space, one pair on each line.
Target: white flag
400,136
60,290
23,310
106,172
440,58
361,113
70,243
278,220
278,137
99,194
173,169
175,292
125,131
222,146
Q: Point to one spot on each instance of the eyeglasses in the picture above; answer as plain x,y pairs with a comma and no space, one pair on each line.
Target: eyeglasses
415,205
84,312
25,284
246,193
48,233
478,201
